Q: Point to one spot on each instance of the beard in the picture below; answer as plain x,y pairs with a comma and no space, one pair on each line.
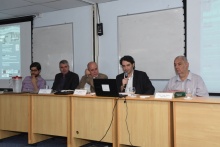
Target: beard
35,75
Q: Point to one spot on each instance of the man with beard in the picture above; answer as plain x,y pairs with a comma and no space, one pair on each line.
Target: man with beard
34,82
133,78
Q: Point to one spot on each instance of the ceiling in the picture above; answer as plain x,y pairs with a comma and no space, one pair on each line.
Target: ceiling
18,8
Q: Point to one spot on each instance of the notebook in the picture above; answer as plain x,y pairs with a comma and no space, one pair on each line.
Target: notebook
106,87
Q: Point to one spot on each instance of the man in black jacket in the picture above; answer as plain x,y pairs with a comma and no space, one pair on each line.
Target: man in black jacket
66,80
133,78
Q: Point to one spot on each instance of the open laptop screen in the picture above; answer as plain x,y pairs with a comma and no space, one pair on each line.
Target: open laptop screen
106,87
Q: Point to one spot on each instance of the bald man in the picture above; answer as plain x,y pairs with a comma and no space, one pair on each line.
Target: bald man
185,79
92,72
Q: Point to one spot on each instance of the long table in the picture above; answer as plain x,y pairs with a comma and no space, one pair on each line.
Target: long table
49,116
14,114
122,122
196,122
93,117
144,122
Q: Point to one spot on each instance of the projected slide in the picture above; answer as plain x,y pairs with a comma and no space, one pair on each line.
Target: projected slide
203,41
210,44
10,51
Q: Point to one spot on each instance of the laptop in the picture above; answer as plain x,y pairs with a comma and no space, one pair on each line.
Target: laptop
6,89
106,87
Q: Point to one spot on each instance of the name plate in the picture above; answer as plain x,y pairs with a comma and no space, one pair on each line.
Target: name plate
80,91
164,95
45,91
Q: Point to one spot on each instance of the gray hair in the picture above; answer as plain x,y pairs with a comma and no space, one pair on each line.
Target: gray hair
64,62
182,58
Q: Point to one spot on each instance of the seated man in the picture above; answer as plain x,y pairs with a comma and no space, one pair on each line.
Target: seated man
92,72
133,78
185,79
34,82
66,80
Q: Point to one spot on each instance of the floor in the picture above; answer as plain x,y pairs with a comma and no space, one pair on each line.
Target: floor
21,140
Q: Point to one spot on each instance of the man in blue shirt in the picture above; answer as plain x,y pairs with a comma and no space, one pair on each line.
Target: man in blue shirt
185,80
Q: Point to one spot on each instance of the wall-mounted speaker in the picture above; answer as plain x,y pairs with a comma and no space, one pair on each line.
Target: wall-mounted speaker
100,29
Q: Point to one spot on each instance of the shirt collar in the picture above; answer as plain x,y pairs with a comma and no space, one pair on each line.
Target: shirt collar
189,77
64,75
94,77
131,74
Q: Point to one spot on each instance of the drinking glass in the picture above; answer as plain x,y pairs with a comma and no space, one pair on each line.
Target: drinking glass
47,87
132,91
188,93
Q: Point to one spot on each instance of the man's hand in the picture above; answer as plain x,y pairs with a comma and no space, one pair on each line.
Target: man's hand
124,81
33,79
34,82
87,73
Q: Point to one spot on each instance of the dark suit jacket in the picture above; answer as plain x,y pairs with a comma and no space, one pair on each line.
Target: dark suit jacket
71,81
141,82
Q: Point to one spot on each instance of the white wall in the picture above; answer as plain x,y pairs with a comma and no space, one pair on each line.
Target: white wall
109,12
82,33
108,43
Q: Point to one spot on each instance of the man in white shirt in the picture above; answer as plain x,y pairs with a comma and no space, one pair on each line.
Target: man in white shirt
133,78
185,79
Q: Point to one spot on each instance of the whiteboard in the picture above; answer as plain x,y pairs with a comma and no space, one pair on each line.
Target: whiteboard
153,39
52,44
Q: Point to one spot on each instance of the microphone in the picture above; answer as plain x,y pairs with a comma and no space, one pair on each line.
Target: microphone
126,76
